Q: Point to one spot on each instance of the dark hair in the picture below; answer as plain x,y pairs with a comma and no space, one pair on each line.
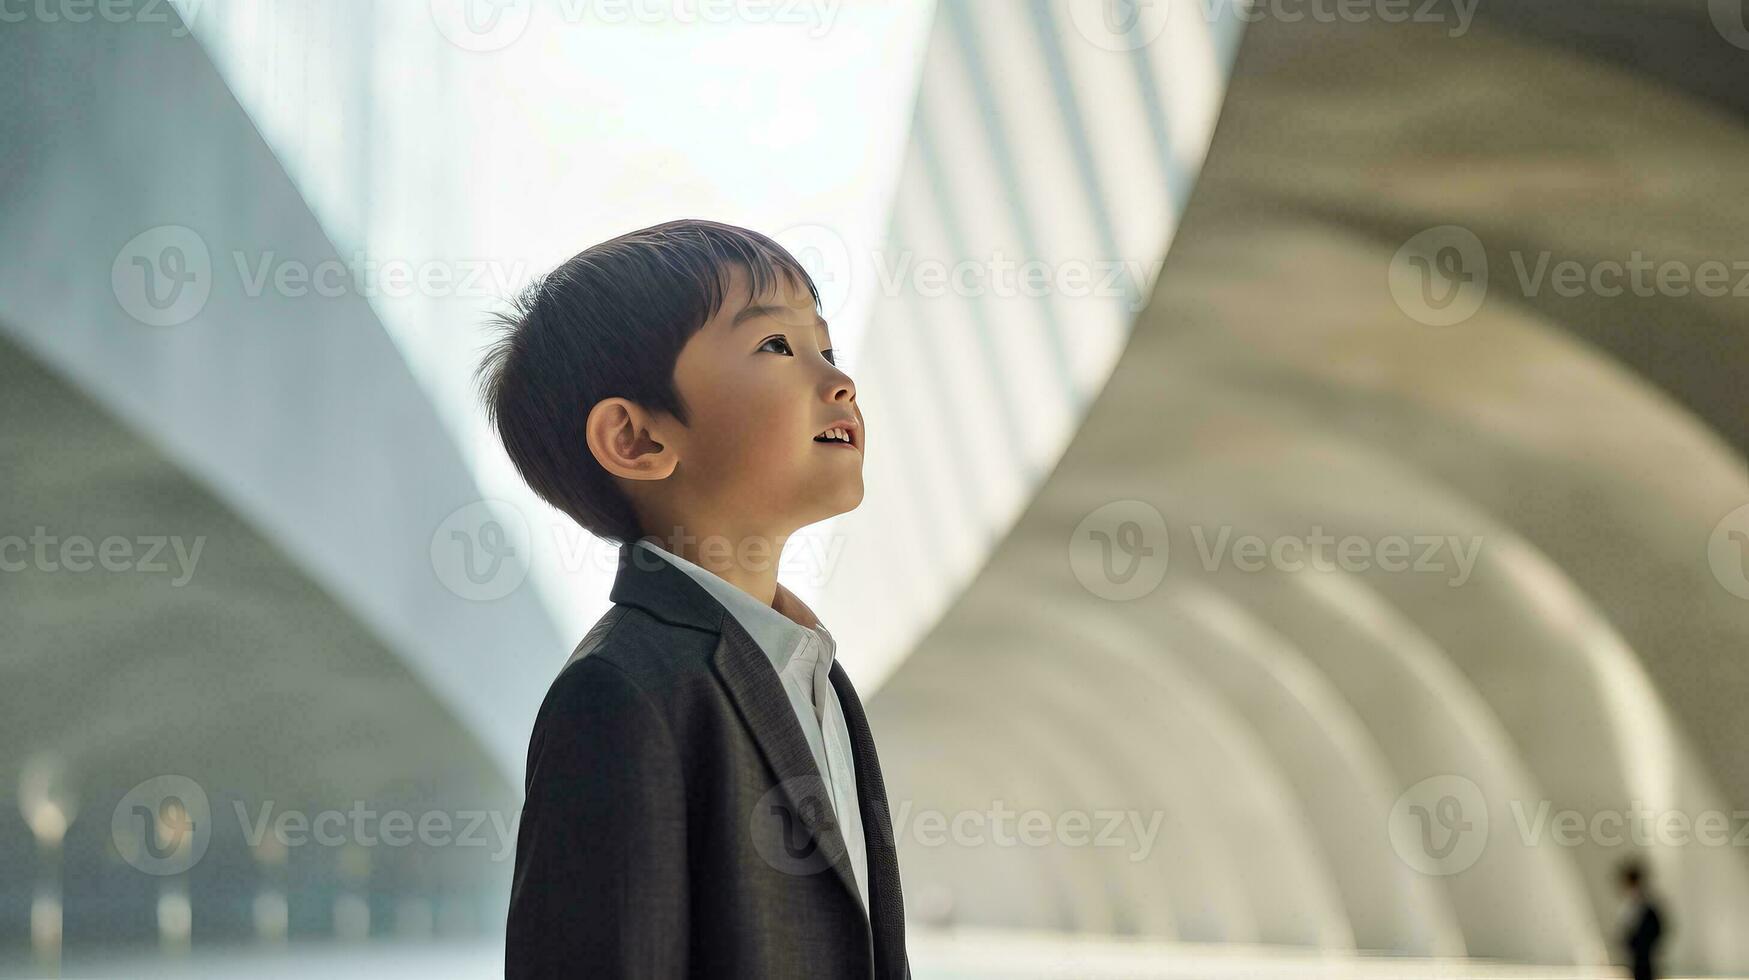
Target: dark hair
610,322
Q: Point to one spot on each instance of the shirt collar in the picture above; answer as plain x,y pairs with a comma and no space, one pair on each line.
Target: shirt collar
778,628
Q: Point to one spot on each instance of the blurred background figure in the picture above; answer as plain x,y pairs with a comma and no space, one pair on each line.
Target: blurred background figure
1642,927
1307,528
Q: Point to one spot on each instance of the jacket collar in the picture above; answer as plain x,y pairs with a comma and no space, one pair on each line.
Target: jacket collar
656,586
779,628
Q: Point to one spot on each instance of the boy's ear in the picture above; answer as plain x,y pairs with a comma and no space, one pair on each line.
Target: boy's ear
620,435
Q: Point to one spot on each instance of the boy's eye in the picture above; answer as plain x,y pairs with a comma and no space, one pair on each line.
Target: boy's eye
831,355
777,340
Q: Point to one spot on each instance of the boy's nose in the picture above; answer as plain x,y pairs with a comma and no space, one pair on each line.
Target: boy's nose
842,389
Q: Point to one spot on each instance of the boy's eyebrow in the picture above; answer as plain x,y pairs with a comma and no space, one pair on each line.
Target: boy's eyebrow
759,310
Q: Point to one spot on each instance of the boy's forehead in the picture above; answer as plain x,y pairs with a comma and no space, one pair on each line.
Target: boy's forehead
781,301
792,315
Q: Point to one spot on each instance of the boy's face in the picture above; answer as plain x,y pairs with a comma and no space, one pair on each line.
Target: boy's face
759,385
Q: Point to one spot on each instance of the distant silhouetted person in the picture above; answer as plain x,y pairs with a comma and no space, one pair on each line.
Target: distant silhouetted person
1641,924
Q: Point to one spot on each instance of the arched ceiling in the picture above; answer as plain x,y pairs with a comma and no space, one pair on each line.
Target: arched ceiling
219,660
292,406
1579,452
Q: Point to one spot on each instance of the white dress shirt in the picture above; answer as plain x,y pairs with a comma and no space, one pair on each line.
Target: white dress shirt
802,655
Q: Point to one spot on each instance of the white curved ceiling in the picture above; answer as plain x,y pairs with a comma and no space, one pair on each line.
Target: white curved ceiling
1581,453
970,397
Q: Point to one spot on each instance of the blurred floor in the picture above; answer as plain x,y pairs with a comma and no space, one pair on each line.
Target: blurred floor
962,955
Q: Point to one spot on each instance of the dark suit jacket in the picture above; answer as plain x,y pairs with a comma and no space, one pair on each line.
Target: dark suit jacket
676,824
1641,940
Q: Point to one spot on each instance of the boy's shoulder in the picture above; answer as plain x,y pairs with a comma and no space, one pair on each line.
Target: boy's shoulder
665,662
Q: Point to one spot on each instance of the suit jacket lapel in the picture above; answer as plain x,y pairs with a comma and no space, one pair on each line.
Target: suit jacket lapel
887,907
747,675
651,583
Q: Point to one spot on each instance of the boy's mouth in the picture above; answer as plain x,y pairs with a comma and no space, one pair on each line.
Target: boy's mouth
841,433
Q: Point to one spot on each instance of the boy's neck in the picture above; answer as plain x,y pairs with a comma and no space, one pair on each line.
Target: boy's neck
746,561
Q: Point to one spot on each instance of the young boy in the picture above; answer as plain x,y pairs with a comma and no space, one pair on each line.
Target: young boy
703,795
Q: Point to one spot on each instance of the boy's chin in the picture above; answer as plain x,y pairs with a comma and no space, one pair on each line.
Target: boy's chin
840,502
853,495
